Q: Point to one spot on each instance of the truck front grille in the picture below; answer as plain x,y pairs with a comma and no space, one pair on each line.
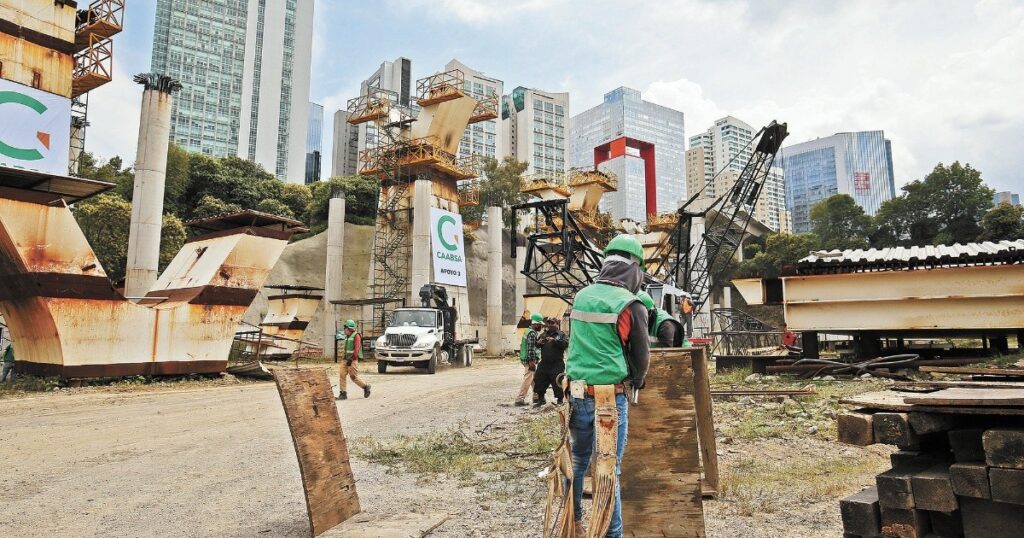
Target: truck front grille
401,340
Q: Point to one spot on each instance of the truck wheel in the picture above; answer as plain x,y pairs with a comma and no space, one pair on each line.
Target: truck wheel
467,354
382,367
432,363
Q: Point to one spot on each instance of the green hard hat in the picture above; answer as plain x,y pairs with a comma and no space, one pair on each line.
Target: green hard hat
646,299
350,324
628,244
537,318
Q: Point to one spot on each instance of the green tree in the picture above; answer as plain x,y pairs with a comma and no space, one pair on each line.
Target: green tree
840,223
274,207
361,194
779,251
177,181
210,206
106,219
499,186
1003,222
297,197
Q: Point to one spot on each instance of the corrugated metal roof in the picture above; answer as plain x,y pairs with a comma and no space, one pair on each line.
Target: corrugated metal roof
71,189
908,258
246,217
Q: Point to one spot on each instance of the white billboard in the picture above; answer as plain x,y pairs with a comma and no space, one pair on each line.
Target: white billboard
35,129
448,247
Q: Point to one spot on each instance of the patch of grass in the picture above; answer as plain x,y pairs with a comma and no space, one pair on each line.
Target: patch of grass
525,446
769,485
25,385
1004,361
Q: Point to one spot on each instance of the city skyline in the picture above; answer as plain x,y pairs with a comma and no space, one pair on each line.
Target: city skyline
911,86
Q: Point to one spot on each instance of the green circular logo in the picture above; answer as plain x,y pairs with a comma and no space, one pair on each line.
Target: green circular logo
447,219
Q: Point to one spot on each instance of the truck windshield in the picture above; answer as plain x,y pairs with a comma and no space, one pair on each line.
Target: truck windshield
412,318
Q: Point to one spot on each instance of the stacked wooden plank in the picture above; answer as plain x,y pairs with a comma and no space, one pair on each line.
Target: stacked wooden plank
959,471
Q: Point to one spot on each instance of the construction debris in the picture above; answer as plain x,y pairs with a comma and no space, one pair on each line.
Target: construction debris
253,369
809,389
959,471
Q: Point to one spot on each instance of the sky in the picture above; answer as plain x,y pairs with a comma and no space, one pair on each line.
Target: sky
943,79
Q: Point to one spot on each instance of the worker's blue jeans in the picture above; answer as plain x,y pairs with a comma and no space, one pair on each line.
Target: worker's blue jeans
8,367
581,427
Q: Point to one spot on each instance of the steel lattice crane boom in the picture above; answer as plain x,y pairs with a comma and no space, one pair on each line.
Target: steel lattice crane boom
562,259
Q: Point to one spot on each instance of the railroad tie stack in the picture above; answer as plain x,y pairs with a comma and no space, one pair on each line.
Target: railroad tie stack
959,470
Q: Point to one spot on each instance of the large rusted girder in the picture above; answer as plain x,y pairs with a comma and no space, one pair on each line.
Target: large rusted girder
66,318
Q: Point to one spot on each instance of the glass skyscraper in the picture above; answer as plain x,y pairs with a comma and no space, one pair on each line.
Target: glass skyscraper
244,68
314,143
535,128
633,138
858,164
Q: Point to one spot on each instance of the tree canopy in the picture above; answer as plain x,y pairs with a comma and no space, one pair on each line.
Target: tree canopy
499,186
840,223
1003,222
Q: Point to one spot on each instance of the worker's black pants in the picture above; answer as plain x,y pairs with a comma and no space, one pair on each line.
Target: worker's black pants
545,377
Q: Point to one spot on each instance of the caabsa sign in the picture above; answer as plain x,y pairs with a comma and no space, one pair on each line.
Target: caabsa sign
448,247
35,129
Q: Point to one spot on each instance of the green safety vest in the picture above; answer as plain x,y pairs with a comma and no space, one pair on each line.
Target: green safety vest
596,354
660,317
350,344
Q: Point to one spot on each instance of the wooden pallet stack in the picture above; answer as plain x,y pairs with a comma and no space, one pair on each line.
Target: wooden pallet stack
959,471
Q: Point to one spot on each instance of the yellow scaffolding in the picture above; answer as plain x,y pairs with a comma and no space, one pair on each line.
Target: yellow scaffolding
94,66
662,222
440,88
534,183
103,18
375,105
486,109
424,152
469,194
579,177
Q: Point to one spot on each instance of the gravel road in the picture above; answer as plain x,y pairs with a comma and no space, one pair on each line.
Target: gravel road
220,461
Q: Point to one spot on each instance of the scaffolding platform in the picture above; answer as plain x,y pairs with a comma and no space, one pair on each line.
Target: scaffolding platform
536,183
423,152
375,105
486,109
440,88
580,177
103,18
469,194
662,222
94,66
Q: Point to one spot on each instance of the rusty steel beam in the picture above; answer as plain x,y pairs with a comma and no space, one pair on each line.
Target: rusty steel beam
66,319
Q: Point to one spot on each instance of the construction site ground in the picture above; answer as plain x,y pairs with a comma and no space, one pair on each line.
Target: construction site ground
215,458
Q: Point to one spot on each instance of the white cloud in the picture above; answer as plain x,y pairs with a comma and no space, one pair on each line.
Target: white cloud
475,11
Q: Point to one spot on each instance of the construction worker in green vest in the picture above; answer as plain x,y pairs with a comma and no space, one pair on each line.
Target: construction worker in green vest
608,345
529,356
349,366
665,330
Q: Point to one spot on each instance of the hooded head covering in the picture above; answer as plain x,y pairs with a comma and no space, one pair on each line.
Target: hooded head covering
623,272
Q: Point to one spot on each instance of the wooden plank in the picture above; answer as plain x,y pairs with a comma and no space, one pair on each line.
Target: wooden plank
895,489
705,421
988,519
320,446
660,481
894,429
1012,397
936,385
933,490
923,423
899,523
968,370
411,524
966,444
894,401
1007,485
855,429
970,480
1004,447
860,513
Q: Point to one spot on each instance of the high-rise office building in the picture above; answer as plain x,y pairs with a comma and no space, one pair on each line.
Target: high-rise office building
314,143
715,161
858,164
244,67
345,153
482,138
642,143
1006,197
535,129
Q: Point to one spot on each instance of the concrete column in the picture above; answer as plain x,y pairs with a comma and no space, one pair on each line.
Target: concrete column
702,315
333,276
150,176
494,278
520,279
421,263
727,297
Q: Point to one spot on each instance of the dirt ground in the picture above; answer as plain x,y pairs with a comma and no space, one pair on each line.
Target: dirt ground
219,462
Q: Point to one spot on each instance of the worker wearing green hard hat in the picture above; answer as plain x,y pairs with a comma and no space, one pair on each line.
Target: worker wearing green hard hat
348,367
665,330
529,356
626,246
608,357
